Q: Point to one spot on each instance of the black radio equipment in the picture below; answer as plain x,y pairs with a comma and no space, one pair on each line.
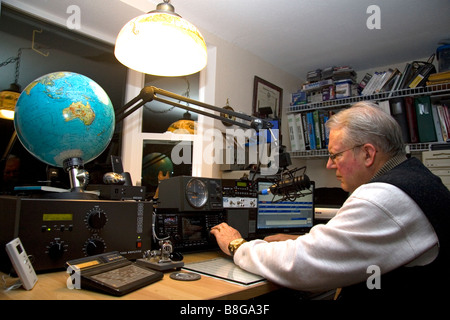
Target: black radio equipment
188,207
54,231
240,205
188,231
188,194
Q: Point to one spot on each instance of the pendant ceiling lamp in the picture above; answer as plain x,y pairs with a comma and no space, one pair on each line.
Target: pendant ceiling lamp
9,97
161,43
8,100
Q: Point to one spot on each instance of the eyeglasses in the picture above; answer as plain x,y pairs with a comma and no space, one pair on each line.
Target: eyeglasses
333,156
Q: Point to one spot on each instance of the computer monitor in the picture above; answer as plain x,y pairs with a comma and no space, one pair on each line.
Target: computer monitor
275,215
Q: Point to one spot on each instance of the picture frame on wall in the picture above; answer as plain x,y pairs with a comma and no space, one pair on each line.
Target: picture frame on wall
267,99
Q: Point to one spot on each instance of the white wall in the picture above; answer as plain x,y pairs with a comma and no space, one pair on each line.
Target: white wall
234,73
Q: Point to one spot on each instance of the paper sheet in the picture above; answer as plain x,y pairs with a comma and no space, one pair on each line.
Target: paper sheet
225,269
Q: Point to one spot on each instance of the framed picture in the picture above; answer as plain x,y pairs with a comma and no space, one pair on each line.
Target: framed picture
267,99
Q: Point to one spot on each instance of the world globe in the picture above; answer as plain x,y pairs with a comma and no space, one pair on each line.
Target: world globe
64,115
152,164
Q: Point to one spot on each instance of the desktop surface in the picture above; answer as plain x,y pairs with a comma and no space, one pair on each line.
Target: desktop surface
52,286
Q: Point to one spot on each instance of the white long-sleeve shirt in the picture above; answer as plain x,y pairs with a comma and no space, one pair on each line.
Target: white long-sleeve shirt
378,225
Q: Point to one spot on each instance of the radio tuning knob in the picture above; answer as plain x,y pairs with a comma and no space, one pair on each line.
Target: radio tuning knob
94,246
96,219
55,250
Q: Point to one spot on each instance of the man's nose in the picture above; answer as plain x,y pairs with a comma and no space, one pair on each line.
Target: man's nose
330,164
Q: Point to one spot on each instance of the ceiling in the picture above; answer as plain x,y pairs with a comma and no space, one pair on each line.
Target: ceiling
294,35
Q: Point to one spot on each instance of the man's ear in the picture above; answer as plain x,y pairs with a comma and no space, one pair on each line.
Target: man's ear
369,153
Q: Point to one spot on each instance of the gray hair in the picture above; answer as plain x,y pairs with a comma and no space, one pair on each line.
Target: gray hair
366,122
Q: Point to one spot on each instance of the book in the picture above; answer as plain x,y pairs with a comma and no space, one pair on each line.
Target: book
301,138
317,129
383,80
293,133
298,98
407,72
437,123
305,131
364,82
395,84
398,112
439,77
411,119
425,122
421,75
390,82
368,90
445,125
325,134
311,130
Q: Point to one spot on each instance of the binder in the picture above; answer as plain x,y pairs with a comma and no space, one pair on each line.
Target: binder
398,112
420,77
412,119
425,121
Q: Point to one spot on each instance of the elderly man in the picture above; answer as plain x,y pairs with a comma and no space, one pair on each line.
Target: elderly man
395,221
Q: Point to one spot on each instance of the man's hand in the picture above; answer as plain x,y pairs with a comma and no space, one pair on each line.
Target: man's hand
224,235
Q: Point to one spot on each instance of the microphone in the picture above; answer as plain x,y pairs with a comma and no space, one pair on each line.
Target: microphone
288,186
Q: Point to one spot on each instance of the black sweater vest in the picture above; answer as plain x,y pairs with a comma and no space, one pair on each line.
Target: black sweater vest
432,280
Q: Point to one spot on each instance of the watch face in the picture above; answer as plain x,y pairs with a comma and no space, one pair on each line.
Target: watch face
196,193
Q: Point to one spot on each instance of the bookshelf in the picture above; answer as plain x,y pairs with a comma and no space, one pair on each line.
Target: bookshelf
434,91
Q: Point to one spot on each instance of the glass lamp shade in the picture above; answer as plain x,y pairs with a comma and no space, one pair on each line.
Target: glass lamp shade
8,100
161,44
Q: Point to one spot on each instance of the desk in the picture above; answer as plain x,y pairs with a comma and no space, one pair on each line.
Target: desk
52,286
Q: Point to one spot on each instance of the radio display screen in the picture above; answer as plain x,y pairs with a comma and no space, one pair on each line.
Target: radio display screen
170,221
193,227
57,217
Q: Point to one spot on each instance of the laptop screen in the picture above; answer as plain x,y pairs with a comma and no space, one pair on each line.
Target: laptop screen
284,216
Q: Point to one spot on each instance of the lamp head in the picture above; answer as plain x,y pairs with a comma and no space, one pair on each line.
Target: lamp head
166,7
161,43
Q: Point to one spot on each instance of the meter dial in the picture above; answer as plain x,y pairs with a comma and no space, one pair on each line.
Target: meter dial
196,193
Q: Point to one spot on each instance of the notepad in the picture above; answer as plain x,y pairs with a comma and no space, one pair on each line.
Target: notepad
225,269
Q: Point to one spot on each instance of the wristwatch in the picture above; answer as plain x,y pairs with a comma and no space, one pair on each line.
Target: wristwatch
235,244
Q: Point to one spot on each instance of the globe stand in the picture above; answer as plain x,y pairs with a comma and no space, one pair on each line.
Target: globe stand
79,178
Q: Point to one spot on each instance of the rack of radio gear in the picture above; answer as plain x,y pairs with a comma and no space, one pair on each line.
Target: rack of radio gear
240,205
57,230
188,208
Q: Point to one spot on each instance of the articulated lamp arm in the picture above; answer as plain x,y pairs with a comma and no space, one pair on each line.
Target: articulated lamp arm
150,93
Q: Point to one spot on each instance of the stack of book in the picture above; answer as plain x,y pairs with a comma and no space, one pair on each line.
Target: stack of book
380,82
415,74
327,84
344,73
439,78
307,130
420,119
